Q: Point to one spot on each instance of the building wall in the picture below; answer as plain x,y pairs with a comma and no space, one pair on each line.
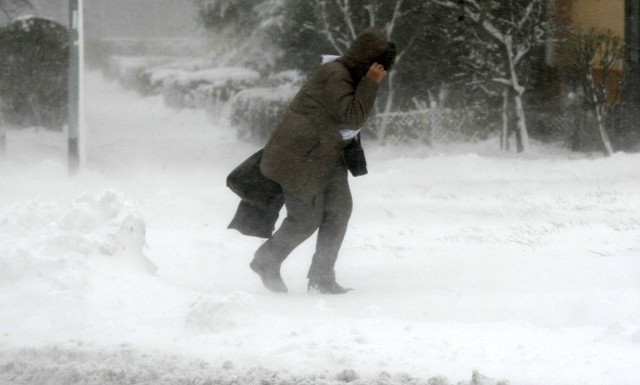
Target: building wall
600,14
583,15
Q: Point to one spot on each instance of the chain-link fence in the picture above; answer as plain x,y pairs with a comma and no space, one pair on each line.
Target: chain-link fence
429,126
576,127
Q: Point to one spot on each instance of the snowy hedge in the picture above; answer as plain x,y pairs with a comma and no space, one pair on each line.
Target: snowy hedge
133,72
206,88
183,83
256,112
136,72
34,60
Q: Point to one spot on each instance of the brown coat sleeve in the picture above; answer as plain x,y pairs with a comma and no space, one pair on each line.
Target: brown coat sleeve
349,107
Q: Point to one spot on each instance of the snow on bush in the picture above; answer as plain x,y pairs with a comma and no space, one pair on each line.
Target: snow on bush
186,82
205,88
291,77
256,112
197,83
132,72
213,76
183,82
54,242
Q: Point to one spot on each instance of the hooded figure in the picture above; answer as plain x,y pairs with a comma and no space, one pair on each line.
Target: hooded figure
304,155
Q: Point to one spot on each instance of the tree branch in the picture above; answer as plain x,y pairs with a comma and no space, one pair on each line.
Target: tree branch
391,23
343,5
326,31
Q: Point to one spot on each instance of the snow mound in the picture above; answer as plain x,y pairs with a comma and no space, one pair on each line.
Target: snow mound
55,242
220,314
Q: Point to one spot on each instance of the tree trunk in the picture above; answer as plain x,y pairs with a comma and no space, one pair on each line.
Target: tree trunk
578,128
76,51
504,135
523,134
606,143
599,109
518,90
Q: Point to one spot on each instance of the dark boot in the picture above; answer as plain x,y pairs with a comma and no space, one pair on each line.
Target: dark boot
271,279
326,288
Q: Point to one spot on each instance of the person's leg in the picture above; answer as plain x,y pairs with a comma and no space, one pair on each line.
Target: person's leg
336,212
301,222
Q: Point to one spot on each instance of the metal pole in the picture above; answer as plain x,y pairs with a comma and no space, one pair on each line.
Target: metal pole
3,137
74,87
3,140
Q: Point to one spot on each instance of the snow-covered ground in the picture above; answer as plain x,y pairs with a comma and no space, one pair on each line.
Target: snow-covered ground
523,268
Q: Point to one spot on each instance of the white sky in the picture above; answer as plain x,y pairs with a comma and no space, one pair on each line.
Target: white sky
128,18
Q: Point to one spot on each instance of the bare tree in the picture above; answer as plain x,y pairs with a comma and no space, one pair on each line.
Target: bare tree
509,30
242,29
599,52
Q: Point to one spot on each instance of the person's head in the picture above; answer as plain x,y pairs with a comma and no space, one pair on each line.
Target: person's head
388,58
371,46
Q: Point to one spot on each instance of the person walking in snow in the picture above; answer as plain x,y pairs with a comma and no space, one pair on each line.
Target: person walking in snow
305,156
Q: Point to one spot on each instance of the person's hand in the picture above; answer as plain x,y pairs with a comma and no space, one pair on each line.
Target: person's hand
376,72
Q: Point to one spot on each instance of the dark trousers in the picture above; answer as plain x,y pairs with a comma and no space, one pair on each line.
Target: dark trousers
329,214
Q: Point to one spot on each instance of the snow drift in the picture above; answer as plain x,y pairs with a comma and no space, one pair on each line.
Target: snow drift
54,242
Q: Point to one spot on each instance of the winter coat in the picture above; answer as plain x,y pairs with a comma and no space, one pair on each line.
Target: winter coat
262,198
303,150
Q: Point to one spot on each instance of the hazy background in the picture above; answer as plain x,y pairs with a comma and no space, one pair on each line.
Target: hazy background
459,89
106,19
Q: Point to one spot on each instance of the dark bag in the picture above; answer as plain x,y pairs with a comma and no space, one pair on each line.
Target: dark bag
250,185
261,202
254,221
354,157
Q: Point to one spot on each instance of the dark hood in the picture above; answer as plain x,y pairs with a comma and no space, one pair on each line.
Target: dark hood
368,46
